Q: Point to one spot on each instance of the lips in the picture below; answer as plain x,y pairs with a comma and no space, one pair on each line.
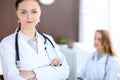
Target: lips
29,21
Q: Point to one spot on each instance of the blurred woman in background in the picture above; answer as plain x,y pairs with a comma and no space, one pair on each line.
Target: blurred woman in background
103,64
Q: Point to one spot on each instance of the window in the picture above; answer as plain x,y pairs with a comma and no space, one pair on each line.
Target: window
94,14
115,23
99,14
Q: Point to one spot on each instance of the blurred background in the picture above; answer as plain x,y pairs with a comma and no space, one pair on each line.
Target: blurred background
73,20
59,19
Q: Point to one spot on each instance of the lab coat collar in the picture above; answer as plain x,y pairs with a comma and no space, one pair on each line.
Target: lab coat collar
40,40
27,38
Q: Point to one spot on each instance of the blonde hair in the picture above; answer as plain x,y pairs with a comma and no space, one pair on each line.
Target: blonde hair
107,42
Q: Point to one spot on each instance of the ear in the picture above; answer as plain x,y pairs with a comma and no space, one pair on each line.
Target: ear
17,17
17,14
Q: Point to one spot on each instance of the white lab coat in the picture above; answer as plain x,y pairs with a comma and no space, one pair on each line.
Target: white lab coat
94,68
30,60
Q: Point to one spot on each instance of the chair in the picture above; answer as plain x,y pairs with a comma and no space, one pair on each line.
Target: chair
82,55
71,60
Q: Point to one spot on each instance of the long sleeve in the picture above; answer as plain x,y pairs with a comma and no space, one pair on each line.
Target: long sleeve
9,68
53,73
82,71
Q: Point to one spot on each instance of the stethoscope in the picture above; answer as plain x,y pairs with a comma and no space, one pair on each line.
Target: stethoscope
17,48
105,70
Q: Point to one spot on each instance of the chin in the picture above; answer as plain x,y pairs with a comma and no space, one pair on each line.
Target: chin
30,25
97,48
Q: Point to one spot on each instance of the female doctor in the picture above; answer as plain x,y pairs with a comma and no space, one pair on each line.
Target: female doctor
28,54
103,63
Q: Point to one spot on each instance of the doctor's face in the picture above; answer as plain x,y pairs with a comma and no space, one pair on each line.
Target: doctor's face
98,41
28,13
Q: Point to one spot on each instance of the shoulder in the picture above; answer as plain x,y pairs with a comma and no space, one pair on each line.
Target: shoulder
113,61
49,36
8,39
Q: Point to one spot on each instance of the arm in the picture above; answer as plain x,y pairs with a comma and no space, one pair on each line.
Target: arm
82,72
28,74
9,68
53,72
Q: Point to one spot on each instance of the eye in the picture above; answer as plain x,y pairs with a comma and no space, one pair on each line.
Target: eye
23,12
95,38
99,39
34,12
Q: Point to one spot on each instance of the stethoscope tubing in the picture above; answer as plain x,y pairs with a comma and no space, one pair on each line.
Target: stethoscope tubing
17,47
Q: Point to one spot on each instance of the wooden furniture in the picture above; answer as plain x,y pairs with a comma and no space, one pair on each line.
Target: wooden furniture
1,77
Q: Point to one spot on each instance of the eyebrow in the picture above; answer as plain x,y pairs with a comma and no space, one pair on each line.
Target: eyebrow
26,10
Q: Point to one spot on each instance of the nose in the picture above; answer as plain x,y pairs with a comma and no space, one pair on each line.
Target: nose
95,41
29,16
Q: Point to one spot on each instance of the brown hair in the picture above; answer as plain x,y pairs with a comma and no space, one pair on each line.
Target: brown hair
19,1
17,4
107,42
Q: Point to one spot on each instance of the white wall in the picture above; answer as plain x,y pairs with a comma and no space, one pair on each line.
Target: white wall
99,14
115,23
94,14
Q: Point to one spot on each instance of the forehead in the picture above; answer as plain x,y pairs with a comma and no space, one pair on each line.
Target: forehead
29,5
98,34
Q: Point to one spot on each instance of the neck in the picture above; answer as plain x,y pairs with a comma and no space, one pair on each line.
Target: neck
100,52
29,32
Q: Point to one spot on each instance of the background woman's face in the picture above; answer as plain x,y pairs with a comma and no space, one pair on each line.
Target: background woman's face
98,41
29,13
